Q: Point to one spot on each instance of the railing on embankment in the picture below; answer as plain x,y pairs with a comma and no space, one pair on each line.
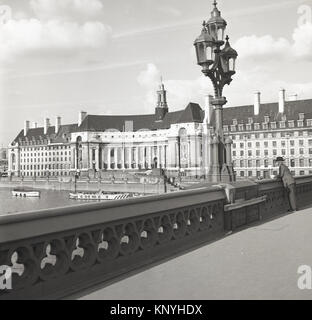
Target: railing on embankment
57,252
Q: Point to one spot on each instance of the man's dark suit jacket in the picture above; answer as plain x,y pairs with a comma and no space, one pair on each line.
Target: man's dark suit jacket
285,175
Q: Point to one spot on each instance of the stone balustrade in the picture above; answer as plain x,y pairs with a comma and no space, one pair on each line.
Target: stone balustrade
58,252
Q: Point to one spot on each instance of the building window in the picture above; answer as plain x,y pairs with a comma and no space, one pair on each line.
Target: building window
273,125
292,152
291,123
301,172
282,124
301,151
292,163
249,153
265,126
266,144
274,152
242,153
301,142
241,127
258,153
292,143
309,122
274,144
241,163
283,152
234,122
248,127
233,128
257,126
301,163
257,163
234,153
249,163
300,123
258,144
242,173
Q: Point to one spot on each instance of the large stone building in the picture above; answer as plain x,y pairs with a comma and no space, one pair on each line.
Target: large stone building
180,141
168,140
261,132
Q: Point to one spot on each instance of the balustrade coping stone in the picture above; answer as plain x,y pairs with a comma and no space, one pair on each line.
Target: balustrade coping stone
30,224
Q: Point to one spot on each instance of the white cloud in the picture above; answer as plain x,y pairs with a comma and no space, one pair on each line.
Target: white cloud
266,47
50,9
23,36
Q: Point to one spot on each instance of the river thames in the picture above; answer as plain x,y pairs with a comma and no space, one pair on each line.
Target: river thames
48,199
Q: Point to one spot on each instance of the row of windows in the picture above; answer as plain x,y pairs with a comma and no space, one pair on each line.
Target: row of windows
48,148
266,152
29,154
270,162
266,174
274,144
271,135
44,174
45,167
30,160
266,125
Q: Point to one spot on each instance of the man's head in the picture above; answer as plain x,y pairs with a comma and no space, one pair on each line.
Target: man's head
279,160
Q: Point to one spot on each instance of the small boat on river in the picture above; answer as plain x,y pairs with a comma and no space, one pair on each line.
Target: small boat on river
25,193
101,195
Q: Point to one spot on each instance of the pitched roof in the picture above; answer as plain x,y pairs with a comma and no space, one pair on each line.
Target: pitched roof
192,113
35,134
292,110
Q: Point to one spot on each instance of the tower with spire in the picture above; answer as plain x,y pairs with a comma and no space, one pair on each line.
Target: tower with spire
162,107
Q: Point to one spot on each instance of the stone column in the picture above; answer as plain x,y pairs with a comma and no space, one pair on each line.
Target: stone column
123,158
137,149
116,158
108,158
130,157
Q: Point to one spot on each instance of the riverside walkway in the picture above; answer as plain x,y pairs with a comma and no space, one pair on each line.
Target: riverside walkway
260,262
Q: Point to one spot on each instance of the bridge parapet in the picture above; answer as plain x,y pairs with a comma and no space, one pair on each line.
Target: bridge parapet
54,253
57,252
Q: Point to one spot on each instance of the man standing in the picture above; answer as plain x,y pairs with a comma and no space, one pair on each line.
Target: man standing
288,181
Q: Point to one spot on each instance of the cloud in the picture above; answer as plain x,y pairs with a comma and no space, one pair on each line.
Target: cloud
266,47
24,36
66,9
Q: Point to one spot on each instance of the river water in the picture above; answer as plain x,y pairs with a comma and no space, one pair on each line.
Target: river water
48,199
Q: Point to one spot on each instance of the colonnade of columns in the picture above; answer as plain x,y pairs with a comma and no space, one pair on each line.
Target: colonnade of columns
132,157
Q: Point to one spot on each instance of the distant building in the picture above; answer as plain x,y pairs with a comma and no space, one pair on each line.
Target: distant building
3,160
261,132
168,140
180,141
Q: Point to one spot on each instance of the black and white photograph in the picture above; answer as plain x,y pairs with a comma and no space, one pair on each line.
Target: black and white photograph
153,152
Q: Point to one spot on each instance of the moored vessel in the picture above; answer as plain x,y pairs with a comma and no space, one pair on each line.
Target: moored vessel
25,193
98,196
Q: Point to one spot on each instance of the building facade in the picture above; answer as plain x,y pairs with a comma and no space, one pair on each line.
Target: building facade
181,142
166,140
261,132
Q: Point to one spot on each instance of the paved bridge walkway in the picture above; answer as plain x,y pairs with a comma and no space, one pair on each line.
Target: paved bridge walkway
260,262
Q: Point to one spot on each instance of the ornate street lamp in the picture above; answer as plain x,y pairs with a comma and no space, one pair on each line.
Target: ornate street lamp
217,59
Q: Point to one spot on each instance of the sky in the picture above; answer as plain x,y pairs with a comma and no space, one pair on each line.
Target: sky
58,57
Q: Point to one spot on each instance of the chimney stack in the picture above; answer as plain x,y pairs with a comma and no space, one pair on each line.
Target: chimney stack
46,125
35,125
58,122
81,117
281,101
26,127
257,103
208,109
